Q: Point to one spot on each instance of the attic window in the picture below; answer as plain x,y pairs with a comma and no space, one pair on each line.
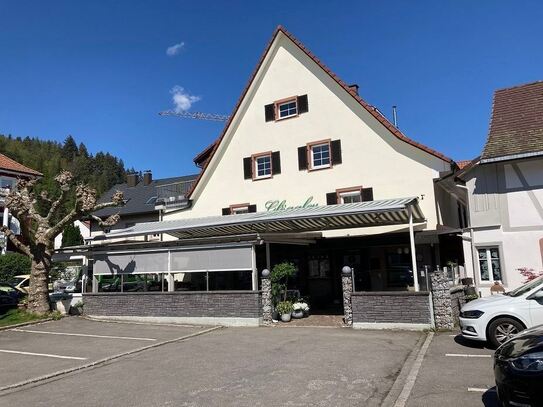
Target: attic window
152,200
287,108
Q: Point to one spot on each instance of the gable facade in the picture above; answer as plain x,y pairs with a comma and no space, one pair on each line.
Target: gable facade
366,155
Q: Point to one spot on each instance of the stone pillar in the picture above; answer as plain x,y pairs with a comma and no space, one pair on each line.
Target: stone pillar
266,298
347,284
441,298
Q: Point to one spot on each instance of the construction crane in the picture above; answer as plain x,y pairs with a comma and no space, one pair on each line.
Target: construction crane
197,115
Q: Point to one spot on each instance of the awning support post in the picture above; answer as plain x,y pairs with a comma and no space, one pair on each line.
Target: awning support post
413,250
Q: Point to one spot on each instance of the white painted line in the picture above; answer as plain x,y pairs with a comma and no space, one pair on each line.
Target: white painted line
84,335
47,355
401,401
463,355
480,389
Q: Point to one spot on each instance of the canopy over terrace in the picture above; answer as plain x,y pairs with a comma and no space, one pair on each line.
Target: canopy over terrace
294,221
329,217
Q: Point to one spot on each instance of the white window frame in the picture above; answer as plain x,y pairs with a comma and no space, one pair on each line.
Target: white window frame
312,146
488,260
284,102
346,194
239,209
255,166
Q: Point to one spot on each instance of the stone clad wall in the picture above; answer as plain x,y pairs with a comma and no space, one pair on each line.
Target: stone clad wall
441,296
391,307
194,304
457,301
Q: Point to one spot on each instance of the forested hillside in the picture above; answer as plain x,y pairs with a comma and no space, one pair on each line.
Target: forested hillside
101,170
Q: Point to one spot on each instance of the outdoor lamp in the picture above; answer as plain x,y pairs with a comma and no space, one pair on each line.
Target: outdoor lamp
346,270
265,273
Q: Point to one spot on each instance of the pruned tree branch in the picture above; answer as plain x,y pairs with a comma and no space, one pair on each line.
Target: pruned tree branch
110,221
16,242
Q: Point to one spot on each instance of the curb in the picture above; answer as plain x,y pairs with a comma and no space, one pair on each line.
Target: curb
103,361
402,386
39,321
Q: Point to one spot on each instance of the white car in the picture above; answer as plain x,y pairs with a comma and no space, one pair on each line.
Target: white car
500,317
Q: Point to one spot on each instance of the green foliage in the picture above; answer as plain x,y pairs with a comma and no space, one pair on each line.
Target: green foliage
18,316
284,307
13,264
279,279
100,171
71,236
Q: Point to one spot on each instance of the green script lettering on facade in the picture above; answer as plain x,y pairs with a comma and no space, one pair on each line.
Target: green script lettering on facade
277,205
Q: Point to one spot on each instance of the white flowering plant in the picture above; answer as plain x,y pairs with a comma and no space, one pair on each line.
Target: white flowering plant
300,306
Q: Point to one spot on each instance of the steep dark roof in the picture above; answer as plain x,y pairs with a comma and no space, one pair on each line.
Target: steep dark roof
516,127
7,163
209,152
138,198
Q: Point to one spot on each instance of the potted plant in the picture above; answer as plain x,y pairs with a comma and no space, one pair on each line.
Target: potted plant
300,309
284,308
279,281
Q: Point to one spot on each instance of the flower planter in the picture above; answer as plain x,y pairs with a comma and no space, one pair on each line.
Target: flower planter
297,314
285,317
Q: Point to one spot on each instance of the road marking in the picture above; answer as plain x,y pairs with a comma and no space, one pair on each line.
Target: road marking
463,355
105,360
84,335
481,390
47,355
401,401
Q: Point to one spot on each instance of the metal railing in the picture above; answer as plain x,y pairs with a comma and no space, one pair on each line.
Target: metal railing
173,194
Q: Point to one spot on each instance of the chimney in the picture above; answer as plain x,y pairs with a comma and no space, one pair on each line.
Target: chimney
132,179
354,88
147,177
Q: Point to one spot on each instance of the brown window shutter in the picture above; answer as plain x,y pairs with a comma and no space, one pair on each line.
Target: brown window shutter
335,146
276,162
252,208
269,112
302,158
367,194
226,211
248,168
331,198
303,106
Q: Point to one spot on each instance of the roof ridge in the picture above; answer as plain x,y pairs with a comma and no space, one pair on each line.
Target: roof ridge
519,86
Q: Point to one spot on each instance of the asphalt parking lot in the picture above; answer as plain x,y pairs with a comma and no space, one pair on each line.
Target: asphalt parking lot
455,372
223,367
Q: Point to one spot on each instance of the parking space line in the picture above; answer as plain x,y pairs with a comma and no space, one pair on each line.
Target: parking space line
464,355
84,335
480,389
47,355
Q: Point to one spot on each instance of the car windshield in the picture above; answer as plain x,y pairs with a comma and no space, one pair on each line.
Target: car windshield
523,289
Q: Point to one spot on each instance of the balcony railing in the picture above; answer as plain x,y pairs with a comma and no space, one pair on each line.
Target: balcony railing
174,195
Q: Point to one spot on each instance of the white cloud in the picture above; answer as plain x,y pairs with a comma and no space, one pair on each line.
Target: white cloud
182,100
175,49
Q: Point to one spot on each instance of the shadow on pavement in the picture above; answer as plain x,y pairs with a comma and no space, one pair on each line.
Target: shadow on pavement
490,398
459,339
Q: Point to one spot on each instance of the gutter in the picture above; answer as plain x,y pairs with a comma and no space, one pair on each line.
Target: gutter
511,157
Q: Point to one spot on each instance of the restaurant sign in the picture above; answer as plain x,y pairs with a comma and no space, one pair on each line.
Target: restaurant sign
277,205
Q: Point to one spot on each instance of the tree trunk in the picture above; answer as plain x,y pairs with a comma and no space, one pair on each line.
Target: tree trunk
38,296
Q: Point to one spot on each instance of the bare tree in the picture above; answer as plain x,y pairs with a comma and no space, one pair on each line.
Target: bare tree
38,231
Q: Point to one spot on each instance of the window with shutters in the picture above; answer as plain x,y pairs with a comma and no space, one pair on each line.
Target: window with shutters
239,209
285,108
319,155
349,195
262,165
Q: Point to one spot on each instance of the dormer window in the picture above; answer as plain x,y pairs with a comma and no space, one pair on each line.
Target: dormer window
287,108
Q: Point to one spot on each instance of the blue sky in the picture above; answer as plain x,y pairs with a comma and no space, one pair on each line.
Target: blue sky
100,70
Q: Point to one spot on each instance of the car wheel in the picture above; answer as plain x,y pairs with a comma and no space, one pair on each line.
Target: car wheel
503,329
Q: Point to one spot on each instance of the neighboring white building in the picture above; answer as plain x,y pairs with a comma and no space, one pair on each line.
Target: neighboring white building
10,171
505,188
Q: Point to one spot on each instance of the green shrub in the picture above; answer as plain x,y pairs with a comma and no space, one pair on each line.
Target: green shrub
279,279
284,307
13,264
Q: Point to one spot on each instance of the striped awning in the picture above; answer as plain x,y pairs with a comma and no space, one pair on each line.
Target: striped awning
320,218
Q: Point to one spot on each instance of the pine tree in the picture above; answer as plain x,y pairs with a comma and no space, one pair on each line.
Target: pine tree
71,236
